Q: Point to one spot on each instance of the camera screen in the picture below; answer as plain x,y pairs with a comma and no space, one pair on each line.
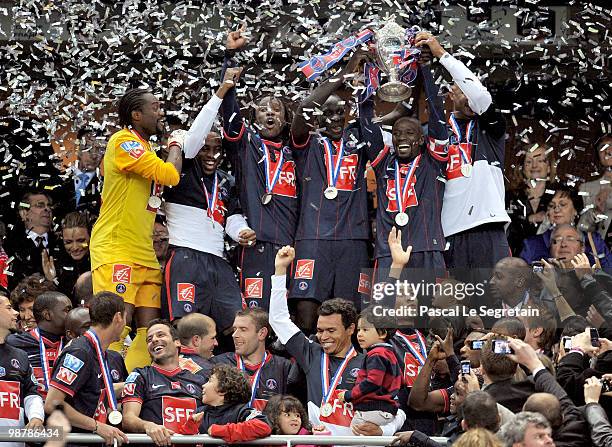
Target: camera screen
477,344
501,347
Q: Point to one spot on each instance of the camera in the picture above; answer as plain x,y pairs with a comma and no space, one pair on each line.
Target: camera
502,347
606,385
476,345
538,267
567,343
465,367
595,337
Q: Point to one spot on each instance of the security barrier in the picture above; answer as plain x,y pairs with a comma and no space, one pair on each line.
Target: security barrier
87,438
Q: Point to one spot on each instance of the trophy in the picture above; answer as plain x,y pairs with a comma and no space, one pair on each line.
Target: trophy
390,47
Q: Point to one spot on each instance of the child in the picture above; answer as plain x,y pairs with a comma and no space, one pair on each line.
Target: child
226,413
374,394
287,416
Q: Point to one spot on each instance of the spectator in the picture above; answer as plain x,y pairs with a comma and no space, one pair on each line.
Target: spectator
23,296
473,355
541,327
478,437
510,284
596,193
160,240
563,209
74,258
29,239
287,416
527,429
512,327
83,289
527,200
601,430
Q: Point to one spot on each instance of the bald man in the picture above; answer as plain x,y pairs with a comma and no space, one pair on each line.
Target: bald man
509,285
198,335
83,290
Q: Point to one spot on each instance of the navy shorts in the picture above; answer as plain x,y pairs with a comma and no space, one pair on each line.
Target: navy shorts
426,265
256,268
195,281
331,269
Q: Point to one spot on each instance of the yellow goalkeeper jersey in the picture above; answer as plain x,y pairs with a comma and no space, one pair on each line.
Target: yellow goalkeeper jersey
123,232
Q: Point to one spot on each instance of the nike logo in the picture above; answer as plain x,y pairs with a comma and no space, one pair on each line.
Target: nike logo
100,376
154,386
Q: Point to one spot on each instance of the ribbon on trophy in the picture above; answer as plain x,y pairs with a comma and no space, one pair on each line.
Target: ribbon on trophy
371,74
408,68
317,65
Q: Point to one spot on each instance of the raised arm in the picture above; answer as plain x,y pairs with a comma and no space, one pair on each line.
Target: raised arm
421,399
279,313
301,125
232,118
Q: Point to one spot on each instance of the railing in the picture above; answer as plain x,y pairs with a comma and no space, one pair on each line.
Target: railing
87,438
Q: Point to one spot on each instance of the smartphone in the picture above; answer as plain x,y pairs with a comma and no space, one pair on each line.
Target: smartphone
567,343
465,367
538,267
501,347
606,385
476,345
595,338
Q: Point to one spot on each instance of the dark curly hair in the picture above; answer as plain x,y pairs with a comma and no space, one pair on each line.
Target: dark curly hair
288,107
232,383
29,288
340,306
285,404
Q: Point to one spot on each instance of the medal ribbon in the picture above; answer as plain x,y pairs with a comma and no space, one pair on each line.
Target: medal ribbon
332,169
108,384
271,182
43,355
211,200
457,131
418,352
326,387
255,384
400,190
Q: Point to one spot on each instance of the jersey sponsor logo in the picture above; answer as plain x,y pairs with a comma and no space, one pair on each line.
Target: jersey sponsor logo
253,287
409,200
15,363
129,389
185,292
100,413
156,386
342,412
348,172
411,369
176,411
286,185
73,363
66,376
364,284
10,401
304,269
175,385
453,166
122,273
38,379
133,148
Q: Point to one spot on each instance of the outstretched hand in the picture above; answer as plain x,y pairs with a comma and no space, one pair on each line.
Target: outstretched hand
236,39
399,256
283,260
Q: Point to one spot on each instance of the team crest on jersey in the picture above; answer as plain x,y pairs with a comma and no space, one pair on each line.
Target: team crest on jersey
253,304
122,273
191,388
2,372
66,376
271,384
15,363
185,292
73,363
10,402
133,148
132,377
187,307
253,287
303,285
121,288
354,372
115,375
304,269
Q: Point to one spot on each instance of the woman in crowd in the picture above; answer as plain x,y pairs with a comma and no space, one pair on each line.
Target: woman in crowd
564,208
527,200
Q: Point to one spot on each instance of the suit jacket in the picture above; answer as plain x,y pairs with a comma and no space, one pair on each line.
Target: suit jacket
574,429
511,394
27,256
90,200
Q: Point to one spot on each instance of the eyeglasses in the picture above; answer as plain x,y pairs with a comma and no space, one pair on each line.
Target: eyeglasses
557,206
570,239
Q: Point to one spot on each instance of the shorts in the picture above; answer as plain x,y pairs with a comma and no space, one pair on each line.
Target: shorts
195,281
136,284
256,269
331,269
424,265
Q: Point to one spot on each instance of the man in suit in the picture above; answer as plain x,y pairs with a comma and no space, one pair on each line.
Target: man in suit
28,239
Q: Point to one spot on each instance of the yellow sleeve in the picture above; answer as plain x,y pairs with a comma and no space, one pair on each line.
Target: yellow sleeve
132,156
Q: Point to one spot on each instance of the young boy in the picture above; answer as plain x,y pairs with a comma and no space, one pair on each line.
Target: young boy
226,413
374,395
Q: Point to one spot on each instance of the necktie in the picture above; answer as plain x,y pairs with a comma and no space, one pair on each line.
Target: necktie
40,242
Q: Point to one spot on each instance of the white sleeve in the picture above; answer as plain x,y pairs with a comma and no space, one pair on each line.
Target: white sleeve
34,407
279,312
234,225
387,138
395,425
478,96
194,140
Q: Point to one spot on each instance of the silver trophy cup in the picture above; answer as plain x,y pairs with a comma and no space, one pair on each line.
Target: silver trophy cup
390,41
